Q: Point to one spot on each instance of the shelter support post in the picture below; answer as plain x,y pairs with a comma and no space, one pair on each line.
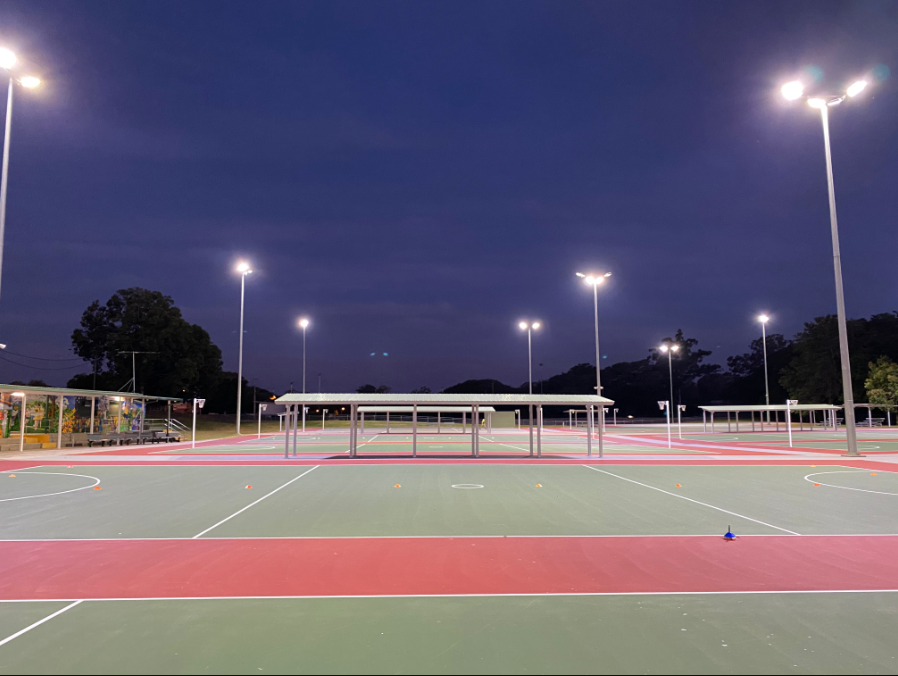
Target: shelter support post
464,429
295,428
362,422
93,410
388,422
530,418
61,405
729,429
285,423
705,420
589,430
439,422
736,413
143,416
22,419
539,431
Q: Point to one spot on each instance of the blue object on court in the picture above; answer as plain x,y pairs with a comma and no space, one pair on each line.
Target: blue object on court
729,534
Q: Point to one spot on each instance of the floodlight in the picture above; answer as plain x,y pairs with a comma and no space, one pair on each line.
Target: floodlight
2,346
857,88
589,280
30,82
244,268
607,274
763,319
663,348
793,90
816,103
535,325
303,322
522,326
7,58
580,274
674,348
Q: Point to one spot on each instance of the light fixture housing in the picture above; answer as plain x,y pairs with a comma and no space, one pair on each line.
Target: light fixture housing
303,323
856,88
244,268
522,326
763,319
7,58
816,103
30,82
793,90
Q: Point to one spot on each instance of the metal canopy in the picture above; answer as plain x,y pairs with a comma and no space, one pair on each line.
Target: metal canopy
438,399
423,409
772,407
67,392
417,402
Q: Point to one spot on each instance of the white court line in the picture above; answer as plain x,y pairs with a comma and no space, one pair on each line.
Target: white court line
47,495
254,503
845,488
39,623
449,596
715,536
683,497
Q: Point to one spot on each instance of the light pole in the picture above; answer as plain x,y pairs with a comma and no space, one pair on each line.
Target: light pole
764,319
304,324
244,270
594,281
793,91
7,62
530,327
670,349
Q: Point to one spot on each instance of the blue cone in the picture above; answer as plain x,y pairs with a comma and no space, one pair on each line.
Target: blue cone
729,535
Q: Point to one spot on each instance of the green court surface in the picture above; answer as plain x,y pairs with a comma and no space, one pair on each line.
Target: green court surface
444,500
427,444
708,634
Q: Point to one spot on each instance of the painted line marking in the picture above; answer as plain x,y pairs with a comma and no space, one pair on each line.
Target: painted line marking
846,488
47,495
39,622
445,596
255,503
683,497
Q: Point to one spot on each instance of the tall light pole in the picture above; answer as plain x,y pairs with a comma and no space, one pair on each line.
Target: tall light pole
529,328
594,281
793,91
764,319
244,270
304,324
7,62
670,349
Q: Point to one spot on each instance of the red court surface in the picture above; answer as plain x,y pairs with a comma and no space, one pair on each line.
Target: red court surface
104,569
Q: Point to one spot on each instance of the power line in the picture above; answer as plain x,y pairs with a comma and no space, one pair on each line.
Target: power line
26,356
41,368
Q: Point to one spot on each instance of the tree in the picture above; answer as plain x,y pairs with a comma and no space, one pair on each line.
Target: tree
686,367
183,359
814,373
370,389
421,390
882,382
747,371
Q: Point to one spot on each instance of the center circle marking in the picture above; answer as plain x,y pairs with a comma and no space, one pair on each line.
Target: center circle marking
467,486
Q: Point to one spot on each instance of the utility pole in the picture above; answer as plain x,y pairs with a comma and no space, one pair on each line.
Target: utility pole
133,380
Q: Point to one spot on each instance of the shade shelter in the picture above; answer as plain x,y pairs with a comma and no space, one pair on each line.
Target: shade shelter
487,412
474,402
68,409
827,411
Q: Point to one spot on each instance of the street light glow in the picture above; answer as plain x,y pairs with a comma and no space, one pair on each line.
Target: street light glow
244,268
522,326
857,88
763,319
793,90
674,348
593,280
30,82
535,325
7,58
18,394
663,348
816,103
303,323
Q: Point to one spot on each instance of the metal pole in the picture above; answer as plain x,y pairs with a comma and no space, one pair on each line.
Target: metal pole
240,352
847,392
61,403
295,431
668,426
530,419
415,431
539,431
680,422
323,413
766,386
93,408
789,421
5,174
589,430
595,297
260,421
193,430
22,423
438,422
286,420
303,359
529,362
705,420
670,368
363,422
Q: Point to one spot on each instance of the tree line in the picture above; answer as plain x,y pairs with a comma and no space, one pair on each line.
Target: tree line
179,359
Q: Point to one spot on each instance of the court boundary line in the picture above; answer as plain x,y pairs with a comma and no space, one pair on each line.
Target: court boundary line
243,538
39,622
683,497
50,495
240,511
853,470
758,592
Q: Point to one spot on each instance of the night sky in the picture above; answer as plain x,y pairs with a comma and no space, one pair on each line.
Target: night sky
416,177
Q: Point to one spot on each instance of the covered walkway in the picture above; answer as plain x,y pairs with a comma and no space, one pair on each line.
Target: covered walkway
827,419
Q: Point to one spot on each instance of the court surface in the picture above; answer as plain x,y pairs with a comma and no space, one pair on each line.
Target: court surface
241,561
